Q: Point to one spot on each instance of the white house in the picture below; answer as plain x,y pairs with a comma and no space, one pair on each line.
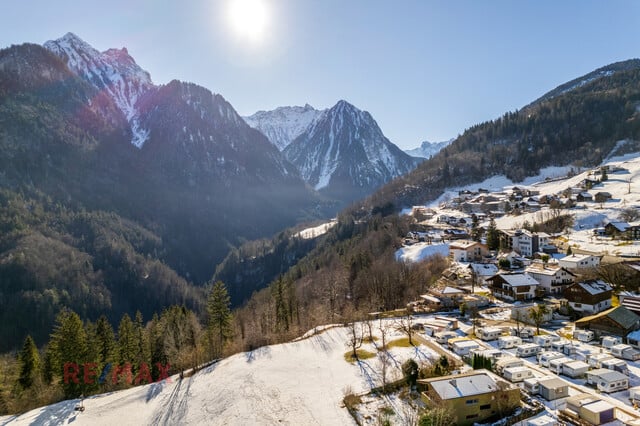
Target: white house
580,261
467,251
553,278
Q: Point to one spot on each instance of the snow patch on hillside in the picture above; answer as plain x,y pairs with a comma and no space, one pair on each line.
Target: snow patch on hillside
316,231
421,251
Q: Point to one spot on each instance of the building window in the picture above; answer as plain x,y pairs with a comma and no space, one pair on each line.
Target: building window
472,416
471,401
485,407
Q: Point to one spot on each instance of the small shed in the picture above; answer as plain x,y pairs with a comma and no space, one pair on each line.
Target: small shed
463,347
575,369
608,380
595,360
517,374
598,413
591,408
507,342
615,364
555,365
552,389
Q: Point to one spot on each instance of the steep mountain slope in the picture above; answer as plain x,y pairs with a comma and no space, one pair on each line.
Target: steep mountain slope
200,180
603,72
113,71
282,125
428,149
344,154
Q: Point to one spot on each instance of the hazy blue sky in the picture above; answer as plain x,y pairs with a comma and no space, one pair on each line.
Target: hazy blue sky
425,70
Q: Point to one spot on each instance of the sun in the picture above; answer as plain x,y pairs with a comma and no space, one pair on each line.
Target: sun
248,18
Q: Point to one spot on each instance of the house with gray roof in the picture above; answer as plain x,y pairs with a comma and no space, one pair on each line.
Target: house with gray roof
514,286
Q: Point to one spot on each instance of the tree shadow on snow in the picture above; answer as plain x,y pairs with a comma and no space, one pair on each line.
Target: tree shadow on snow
63,412
254,354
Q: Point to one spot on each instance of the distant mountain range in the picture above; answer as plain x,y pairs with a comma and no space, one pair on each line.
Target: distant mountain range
428,149
340,151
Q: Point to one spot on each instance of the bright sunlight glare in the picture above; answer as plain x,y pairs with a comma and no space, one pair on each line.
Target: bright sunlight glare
248,18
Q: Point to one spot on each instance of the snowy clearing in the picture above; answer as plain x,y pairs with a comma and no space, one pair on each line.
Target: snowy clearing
297,383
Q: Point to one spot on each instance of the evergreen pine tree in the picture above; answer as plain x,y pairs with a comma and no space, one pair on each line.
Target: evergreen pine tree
105,341
69,347
493,238
143,349
279,297
49,370
476,232
29,363
92,356
127,344
220,319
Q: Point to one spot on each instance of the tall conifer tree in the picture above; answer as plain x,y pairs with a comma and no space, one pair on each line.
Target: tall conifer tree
29,363
220,319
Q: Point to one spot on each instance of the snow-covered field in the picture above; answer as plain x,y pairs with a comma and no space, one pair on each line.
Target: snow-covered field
297,383
316,231
420,251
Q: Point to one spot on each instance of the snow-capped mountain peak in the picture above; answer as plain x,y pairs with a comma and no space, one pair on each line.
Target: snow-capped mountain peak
344,153
114,71
428,149
282,125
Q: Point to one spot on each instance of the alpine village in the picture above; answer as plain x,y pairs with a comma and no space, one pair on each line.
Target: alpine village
495,282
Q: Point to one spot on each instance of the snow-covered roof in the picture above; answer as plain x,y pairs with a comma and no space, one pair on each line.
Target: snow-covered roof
462,245
620,226
595,286
519,280
549,269
552,383
451,290
608,375
461,386
484,269
576,258
430,298
466,344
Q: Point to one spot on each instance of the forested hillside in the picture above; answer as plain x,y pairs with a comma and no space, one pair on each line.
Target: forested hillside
94,262
577,125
